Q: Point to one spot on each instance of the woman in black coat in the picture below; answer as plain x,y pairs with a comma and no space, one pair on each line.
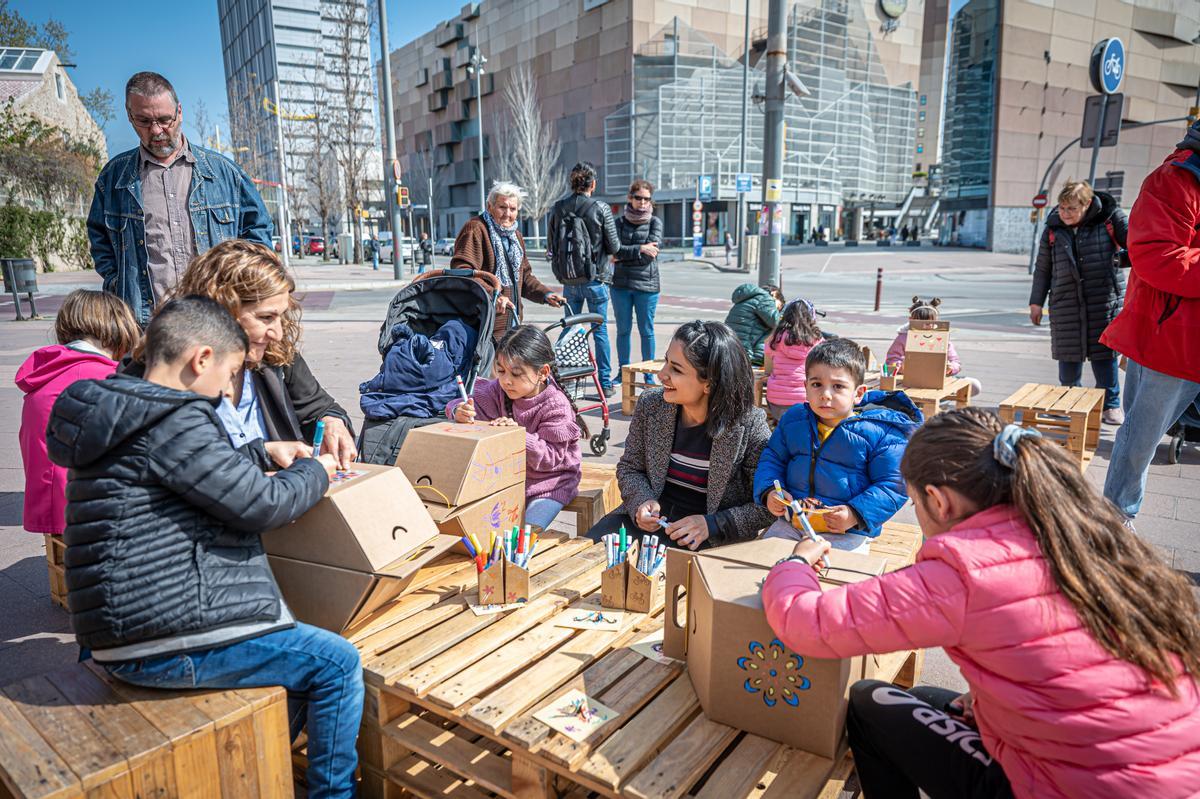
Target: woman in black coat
635,275
1079,266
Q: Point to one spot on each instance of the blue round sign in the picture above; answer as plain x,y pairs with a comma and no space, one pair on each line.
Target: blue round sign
1108,65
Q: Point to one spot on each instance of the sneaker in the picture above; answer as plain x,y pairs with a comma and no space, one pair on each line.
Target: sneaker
1128,522
610,392
1113,416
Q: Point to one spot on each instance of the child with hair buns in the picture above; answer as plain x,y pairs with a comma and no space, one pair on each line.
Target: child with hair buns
927,311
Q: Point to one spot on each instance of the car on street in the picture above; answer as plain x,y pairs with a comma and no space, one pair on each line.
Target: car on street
385,247
444,247
314,245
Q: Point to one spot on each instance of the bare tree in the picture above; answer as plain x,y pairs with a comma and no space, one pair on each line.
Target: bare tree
297,151
251,129
348,77
323,195
420,175
532,150
201,123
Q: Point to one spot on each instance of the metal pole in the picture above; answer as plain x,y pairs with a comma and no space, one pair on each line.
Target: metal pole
412,239
479,100
768,271
285,240
429,210
389,121
1099,135
878,287
741,206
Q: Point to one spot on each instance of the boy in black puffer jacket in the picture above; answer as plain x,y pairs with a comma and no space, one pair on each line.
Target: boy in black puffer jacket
167,581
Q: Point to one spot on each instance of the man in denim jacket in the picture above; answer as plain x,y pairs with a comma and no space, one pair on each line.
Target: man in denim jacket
162,203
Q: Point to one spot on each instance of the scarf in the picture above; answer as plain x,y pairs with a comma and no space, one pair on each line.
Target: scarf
509,256
1192,140
635,217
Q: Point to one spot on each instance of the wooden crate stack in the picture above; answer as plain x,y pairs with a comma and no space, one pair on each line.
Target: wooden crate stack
1068,415
56,549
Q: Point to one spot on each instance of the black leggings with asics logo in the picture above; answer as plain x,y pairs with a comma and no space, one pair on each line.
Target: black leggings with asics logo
906,740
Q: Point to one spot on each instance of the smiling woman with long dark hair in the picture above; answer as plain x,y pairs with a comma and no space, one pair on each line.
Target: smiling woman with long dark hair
693,446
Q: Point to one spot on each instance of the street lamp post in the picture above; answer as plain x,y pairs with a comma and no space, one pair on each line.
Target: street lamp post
741,206
285,241
768,269
390,170
475,67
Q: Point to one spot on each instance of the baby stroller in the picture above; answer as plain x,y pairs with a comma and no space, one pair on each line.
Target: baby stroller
425,304
576,365
1185,429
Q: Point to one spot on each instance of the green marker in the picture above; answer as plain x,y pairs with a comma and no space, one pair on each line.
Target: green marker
624,542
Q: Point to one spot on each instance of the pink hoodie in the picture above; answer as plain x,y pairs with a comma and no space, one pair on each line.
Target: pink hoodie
785,384
42,377
895,353
1061,715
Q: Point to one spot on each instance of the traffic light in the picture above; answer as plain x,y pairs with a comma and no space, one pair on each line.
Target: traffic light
402,196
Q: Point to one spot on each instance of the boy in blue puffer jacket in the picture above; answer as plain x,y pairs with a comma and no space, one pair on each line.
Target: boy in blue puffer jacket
839,452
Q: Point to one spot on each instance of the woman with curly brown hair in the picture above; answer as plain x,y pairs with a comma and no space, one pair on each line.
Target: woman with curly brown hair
276,398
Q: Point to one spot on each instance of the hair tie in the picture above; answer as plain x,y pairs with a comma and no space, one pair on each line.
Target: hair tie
1004,445
801,301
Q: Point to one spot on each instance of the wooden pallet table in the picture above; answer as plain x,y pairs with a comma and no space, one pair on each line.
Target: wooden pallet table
633,382
56,550
930,400
1068,415
451,698
77,732
598,495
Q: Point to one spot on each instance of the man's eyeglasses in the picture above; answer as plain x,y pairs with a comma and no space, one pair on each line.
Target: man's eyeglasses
162,122
641,197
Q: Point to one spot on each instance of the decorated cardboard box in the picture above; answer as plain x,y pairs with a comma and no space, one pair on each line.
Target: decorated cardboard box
742,673
613,581
624,587
926,349
491,584
495,513
461,463
516,583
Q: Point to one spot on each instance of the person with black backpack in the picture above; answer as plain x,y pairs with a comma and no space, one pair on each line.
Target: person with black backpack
583,236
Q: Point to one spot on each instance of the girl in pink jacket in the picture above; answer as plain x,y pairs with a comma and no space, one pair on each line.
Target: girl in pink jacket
94,330
784,356
1080,646
526,392
927,311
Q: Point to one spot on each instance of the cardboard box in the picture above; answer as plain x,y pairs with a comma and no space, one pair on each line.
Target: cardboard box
496,513
491,584
516,583
743,675
642,591
363,523
925,352
888,382
623,587
335,598
463,462
612,586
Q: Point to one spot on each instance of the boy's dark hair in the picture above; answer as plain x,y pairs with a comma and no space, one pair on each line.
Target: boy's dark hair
188,322
839,353
583,175
530,346
718,357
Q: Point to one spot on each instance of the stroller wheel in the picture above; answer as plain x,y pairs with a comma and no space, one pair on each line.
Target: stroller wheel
599,445
1174,450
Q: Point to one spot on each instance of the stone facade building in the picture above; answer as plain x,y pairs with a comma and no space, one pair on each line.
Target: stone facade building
37,84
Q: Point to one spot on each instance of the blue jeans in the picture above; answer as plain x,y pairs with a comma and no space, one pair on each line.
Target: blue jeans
318,669
541,511
1070,373
1153,401
625,303
595,294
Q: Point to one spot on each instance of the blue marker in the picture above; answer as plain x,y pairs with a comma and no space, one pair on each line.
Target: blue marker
318,436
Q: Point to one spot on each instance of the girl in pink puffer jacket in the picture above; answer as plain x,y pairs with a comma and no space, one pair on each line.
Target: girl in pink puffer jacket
784,356
1080,646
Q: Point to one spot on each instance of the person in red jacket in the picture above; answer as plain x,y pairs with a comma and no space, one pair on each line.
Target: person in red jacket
1159,327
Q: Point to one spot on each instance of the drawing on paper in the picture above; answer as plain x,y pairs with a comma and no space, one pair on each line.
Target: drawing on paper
774,673
576,715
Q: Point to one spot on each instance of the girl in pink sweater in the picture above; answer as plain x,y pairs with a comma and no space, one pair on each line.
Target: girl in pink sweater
1079,645
94,330
527,393
928,312
784,356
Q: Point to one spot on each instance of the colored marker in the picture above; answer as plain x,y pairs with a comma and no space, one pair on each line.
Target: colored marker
462,388
663,523
318,437
624,541
811,534
474,553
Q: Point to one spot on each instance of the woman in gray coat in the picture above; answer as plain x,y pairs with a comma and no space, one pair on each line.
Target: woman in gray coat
1079,268
693,446
635,272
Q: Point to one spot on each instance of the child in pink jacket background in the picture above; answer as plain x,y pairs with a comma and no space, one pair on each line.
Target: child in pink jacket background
94,330
783,359
928,312
1080,646
526,392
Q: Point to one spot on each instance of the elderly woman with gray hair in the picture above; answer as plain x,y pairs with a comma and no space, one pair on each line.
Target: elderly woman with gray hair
491,242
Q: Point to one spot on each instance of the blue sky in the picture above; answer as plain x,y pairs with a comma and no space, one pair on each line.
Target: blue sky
180,40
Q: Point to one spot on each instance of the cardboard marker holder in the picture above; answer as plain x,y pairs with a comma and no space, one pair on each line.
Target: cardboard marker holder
642,591
926,350
516,583
613,581
888,383
624,587
491,584
743,675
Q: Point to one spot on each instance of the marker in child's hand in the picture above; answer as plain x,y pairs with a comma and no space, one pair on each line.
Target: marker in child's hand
318,437
663,523
462,388
811,535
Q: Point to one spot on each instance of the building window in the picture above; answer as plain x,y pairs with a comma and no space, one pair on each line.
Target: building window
920,116
920,149
60,87
922,99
